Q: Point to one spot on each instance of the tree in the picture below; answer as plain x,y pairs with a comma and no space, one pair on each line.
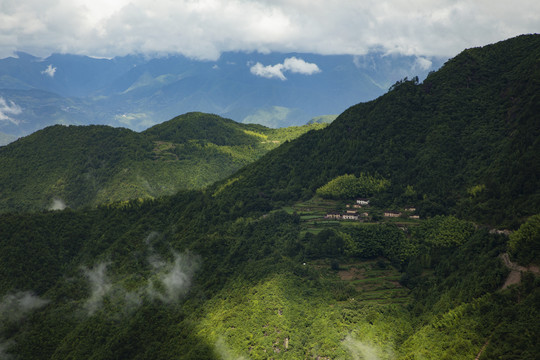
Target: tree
349,186
524,243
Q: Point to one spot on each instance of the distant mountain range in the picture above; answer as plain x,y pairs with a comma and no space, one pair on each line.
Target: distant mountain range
275,90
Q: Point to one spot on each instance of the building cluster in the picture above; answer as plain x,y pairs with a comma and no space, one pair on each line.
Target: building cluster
351,214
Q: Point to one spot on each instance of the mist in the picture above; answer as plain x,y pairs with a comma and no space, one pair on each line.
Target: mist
172,280
99,286
225,352
168,280
363,350
4,345
57,204
14,306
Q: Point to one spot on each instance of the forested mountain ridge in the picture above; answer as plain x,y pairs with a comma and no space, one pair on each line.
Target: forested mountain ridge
90,165
237,271
466,140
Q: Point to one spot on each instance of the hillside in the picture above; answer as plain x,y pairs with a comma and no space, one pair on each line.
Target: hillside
90,165
466,140
248,269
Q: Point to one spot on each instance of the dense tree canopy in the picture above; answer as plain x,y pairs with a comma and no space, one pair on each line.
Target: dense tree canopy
349,186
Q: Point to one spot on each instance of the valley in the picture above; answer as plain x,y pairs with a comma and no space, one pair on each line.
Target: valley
266,261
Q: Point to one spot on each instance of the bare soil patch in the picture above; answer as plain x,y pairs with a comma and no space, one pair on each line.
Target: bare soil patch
513,278
351,274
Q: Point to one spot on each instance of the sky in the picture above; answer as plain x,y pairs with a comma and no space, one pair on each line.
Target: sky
203,29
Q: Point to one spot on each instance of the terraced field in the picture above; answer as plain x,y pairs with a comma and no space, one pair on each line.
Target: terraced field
374,281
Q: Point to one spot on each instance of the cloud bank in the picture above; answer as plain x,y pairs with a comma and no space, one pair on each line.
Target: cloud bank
203,29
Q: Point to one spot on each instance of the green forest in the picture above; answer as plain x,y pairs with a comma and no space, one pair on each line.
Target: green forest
249,267
77,166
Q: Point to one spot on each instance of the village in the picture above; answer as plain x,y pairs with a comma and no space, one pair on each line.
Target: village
318,213
358,212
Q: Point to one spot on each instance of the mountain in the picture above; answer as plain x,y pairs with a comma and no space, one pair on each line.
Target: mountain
77,166
250,268
137,92
23,112
466,140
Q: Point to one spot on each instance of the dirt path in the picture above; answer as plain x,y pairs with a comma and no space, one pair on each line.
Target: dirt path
482,350
513,266
513,278
515,271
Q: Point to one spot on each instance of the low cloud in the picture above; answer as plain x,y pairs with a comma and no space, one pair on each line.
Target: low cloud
173,280
168,281
292,64
57,204
49,71
225,351
360,350
100,286
15,306
4,346
8,108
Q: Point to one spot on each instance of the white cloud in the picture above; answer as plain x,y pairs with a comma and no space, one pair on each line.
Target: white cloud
7,109
270,71
172,280
50,71
300,66
57,204
205,28
167,281
100,286
423,63
292,64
